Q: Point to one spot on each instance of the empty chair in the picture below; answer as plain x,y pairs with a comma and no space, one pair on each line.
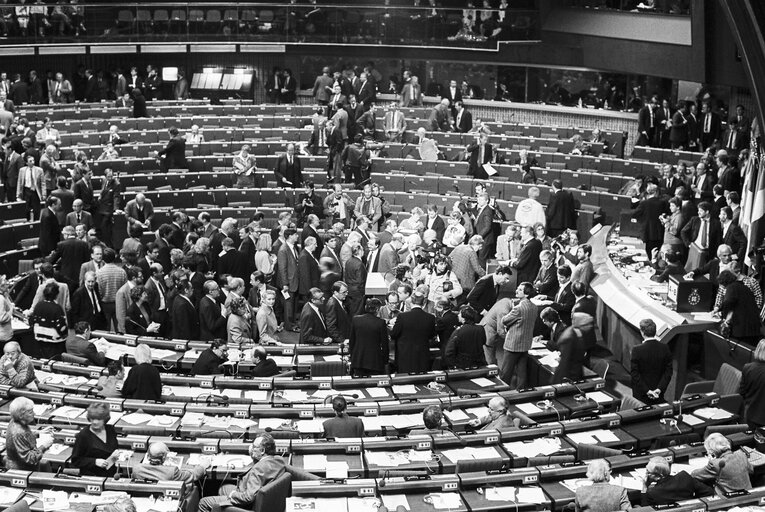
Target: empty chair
161,20
213,21
178,21
143,21
125,20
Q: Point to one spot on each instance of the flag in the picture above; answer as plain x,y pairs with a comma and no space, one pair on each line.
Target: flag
752,219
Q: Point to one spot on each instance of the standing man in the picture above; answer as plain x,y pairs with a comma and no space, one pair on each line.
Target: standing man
711,127
30,186
338,319
465,264
110,279
412,335
313,326
174,152
322,87
439,117
274,85
185,320
650,212
527,263
108,204
651,366
647,123
308,268
49,227
394,123
481,153
355,275
701,235
288,169
212,323
484,226
244,164
287,278
519,325
463,120
561,210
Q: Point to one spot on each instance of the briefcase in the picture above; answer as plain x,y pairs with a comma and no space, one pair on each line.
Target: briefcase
691,296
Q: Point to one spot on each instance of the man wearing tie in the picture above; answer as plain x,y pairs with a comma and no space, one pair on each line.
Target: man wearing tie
287,277
30,186
79,216
288,169
647,123
87,305
313,326
453,94
710,127
702,184
158,294
738,131
308,268
337,100
480,153
702,235
373,260
5,84
394,124
463,120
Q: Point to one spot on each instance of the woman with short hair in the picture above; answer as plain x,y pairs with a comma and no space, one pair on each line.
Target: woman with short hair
728,470
23,450
465,346
143,381
94,445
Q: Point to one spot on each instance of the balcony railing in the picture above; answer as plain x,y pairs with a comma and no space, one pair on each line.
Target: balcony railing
263,22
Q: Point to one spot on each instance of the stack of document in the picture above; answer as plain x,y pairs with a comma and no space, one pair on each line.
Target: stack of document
55,500
136,418
393,501
294,504
445,500
10,495
545,447
386,459
598,396
593,437
712,413
515,494
471,453
68,412
155,505
575,483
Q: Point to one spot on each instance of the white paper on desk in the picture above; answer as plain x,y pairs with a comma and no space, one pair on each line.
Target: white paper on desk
193,419
335,358
337,469
151,505
321,394
362,505
157,353
243,423
404,389
317,505
482,381
582,438
540,352
273,423
491,171
256,395
67,411
690,419
598,396
456,415
385,459
40,408
305,358
712,413
55,449
293,395
162,420
628,482
500,494
575,483
377,392
545,446
314,462
457,454
10,495
231,461
184,391
605,436
282,360
197,459
705,316
405,420
552,359
419,455
18,325
55,500
393,501
530,495
310,426
216,422
528,408
478,412
446,500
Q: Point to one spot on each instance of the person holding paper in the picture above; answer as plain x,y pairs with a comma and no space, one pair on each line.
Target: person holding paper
481,153
661,488
24,449
519,324
601,496
728,470
155,469
496,419
95,447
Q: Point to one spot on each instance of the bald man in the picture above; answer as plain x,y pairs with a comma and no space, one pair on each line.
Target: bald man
659,488
154,468
496,419
140,211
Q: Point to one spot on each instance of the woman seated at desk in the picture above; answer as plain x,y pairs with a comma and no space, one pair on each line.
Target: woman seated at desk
601,496
95,445
108,383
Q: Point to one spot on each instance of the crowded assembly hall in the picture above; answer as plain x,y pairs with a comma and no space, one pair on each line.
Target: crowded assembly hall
389,256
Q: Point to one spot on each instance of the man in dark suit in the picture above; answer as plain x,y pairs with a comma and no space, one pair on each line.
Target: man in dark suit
739,128
210,360
80,345
546,281
729,176
264,365
665,489
308,268
49,228
651,366
732,234
338,319
664,118
87,305
24,297
212,324
79,216
313,325
355,276
463,120
573,349
484,218
561,210
452,93
647,123
702,235
527,263
563,300
311,230
288,169
366,93
231,262
174,152
481,152
711,127
140,211
287,279
185,319
274,85
72,253
486,290
83,190
164,246
650,211
702,184
412,334
373,258
435,222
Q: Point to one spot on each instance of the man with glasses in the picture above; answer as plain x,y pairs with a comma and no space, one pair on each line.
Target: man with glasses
16,368
211,359
313,325
498,418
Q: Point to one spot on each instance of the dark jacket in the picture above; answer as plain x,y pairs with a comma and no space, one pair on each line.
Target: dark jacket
313,328
740,304
265,368
82,308
175,153
648,212
211,323
571,345
207,363
752,389
561,212
185,320
88,447
143,383
81,347
71,253
412,334
338,320
672,489
690,232
368,344
308,272
528,262
343,427
465,347
49,232
650,368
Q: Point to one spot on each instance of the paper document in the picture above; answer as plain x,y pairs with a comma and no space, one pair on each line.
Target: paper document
500,493
377,392
393,501
528,408
530,495
313,462
69,412
598,396
337,469
55,449
712,413
690,419
456,415
55,500
491,171
404,389
10,495
446,500
482,381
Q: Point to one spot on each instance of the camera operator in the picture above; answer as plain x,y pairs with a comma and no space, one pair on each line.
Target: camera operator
369,206
308,203
436,273
355,158
337,206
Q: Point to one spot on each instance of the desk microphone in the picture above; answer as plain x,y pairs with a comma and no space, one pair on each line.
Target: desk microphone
463,442
580,396
720,467
402,474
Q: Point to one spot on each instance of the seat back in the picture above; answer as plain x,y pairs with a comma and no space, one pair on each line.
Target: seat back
594,451
71,358
728,380
327,369
272,497
473,465
630,402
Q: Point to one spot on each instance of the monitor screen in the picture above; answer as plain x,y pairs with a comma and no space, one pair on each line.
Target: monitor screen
170,74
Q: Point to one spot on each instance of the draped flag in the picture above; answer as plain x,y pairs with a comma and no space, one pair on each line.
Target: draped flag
752,219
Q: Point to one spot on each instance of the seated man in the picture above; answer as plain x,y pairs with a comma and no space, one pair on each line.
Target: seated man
497,418
81,345
342,425
267,468
264,365
155,468
16,368
659,488
432,417
210,360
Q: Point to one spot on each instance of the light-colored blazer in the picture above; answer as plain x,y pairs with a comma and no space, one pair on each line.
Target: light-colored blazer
519,323
601,497
239,330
